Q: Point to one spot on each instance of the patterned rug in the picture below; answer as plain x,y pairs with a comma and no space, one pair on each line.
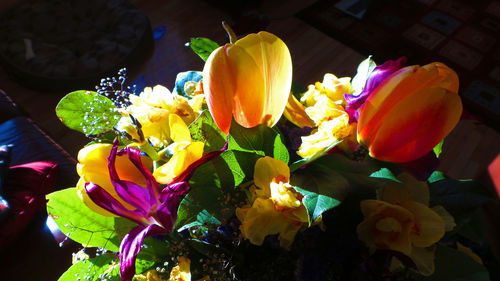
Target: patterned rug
462,34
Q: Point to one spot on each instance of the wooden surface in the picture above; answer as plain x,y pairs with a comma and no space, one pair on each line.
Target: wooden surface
467,151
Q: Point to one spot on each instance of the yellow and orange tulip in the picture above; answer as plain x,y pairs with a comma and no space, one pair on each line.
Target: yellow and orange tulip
249,80
410,112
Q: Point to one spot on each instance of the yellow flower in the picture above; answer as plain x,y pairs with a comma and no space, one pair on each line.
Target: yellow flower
182,271
332,87
276,209
401,220
93,167
150,275
184,152
327,134
152,108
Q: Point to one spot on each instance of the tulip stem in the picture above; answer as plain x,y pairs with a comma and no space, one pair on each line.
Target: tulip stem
230,32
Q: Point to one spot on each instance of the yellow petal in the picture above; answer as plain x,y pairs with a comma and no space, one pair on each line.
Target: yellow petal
266,169
273,58
179,162
260,220
249,96
429,226
88,202
179,132
424,259
295,113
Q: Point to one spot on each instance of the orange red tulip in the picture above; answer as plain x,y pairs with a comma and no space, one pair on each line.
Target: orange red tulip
410,112
249,80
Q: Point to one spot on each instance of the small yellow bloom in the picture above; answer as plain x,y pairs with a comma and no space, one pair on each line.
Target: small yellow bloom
182,271
276,209
332,87
401,220
93,167
152,108
150,275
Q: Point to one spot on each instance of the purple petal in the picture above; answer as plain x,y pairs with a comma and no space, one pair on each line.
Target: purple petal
130,192
170,197
377,76
130,247
103,199
186,174
151,185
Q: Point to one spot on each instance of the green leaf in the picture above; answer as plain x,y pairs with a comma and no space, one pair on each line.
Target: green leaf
459,197
316,204
205,130
83,225
102,267
203,218
453,265
363,72
323,189
438,148
384,173
87,112
237,168
261,140
203,47
436,176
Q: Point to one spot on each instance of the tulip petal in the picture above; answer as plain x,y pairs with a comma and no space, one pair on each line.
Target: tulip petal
273,58
415,125
130,247
219,87
179,162
403,83
250,95
82,193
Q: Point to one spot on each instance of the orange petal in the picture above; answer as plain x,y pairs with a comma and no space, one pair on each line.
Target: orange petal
249,95
219,86
415,125
273,58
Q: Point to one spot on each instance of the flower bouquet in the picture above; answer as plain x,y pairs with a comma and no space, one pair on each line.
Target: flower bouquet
239,174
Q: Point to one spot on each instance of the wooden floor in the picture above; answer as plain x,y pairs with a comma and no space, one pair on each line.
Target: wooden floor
467,151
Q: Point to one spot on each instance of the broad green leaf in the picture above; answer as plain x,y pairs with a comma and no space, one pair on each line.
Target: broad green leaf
323,188
83,225
436,176
203,218
182,78
438,148
261,140
384,173
459,197
453,265
237,168
363,72
87,112
203,47
103,267
316,204
205,130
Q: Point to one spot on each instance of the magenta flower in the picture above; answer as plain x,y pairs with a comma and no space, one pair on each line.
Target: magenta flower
379,74
154,207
